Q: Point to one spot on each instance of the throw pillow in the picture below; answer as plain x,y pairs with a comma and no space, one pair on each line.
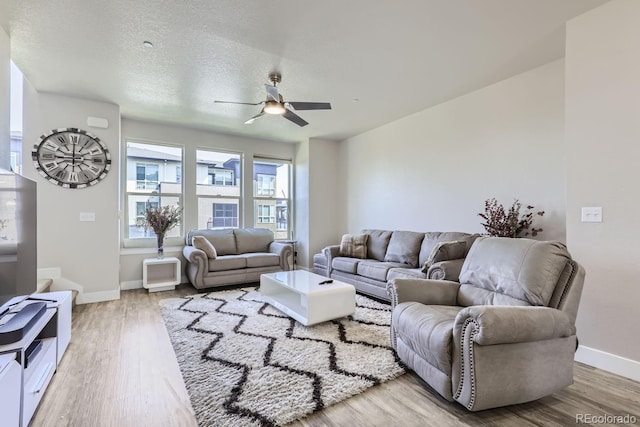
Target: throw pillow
354,245
201,242
445,251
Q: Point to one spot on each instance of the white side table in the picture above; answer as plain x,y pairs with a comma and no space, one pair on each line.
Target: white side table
161,274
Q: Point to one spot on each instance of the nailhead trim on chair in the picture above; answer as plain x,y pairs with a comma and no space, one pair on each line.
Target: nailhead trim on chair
472,333
574,269
393,295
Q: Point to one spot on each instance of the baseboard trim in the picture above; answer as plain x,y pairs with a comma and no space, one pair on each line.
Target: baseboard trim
609,362
130,284
91,297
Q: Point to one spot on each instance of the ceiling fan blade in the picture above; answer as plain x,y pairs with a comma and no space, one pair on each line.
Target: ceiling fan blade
239,103
290,115
310,105
272,92
253,119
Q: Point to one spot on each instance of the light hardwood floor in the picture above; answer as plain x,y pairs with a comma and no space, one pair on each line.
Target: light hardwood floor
120,371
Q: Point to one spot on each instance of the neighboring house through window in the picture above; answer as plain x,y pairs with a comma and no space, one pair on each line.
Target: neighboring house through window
154,177
272,182
218,187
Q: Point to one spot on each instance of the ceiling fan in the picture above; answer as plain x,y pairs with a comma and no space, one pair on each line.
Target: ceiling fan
275,104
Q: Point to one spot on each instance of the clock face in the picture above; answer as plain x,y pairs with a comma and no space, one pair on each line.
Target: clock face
71,158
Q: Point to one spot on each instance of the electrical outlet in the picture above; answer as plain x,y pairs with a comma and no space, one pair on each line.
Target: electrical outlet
87,216
592,214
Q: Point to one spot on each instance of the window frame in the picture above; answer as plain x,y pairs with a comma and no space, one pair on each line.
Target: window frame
150,241
273,200
221,198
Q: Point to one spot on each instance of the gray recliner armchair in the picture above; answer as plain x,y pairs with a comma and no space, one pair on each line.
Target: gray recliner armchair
505,334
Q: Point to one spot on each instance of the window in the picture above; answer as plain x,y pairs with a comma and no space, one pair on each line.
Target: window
272,183
220,176
266,185
225,215
15,118
266,214
154,177
146,176
218,187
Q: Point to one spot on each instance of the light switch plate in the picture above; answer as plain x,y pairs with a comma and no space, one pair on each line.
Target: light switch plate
592,214
87,216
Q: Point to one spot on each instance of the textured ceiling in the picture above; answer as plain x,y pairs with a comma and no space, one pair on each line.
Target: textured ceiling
394,58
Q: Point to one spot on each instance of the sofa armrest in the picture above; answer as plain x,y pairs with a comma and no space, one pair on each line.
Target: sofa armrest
490,325
425,291
194,255
331,252
198,265
446,270
285,252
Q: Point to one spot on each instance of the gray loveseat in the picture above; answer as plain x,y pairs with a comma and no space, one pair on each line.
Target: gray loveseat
242,255
391,255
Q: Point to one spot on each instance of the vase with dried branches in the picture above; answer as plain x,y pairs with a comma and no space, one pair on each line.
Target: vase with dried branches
503,222
162,220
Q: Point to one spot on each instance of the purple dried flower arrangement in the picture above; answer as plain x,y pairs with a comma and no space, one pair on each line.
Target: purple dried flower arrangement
501,222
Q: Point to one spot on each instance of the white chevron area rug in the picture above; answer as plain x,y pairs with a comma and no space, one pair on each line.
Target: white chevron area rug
246,363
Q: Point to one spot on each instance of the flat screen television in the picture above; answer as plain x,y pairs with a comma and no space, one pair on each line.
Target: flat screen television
18,238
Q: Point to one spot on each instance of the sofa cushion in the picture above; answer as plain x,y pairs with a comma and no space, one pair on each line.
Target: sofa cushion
377,243
354,245
376,270
228,262
201,242
445,251
252,239
406,273
348,265
262,259
427,331
529,269
433,238
404,247
223,240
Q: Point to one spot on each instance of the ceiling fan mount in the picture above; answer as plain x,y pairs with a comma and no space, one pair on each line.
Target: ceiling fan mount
275,104
275,77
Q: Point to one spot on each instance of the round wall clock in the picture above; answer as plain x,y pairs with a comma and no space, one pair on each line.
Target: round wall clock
71,158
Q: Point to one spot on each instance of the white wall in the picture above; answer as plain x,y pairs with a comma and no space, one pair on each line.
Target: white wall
303,203
326,185
131,260
432,171
320,213
86,252
5,95
602,138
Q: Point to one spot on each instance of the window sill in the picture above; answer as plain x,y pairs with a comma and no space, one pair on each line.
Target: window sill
150,251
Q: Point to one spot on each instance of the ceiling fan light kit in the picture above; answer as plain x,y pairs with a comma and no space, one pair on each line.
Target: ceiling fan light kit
273,107
275,104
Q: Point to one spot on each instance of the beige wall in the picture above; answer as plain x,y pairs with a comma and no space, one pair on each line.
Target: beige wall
86,252
5,93
432,171
602,142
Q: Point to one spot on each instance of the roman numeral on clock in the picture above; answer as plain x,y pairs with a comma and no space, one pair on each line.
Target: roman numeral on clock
50,145
49,166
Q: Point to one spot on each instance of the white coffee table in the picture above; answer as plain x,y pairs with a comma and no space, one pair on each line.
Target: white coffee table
298,294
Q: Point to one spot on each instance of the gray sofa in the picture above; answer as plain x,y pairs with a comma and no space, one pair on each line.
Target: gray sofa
504,334
243,254
391,255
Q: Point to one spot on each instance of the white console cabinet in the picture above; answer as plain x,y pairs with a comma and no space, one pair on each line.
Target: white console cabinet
23,381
